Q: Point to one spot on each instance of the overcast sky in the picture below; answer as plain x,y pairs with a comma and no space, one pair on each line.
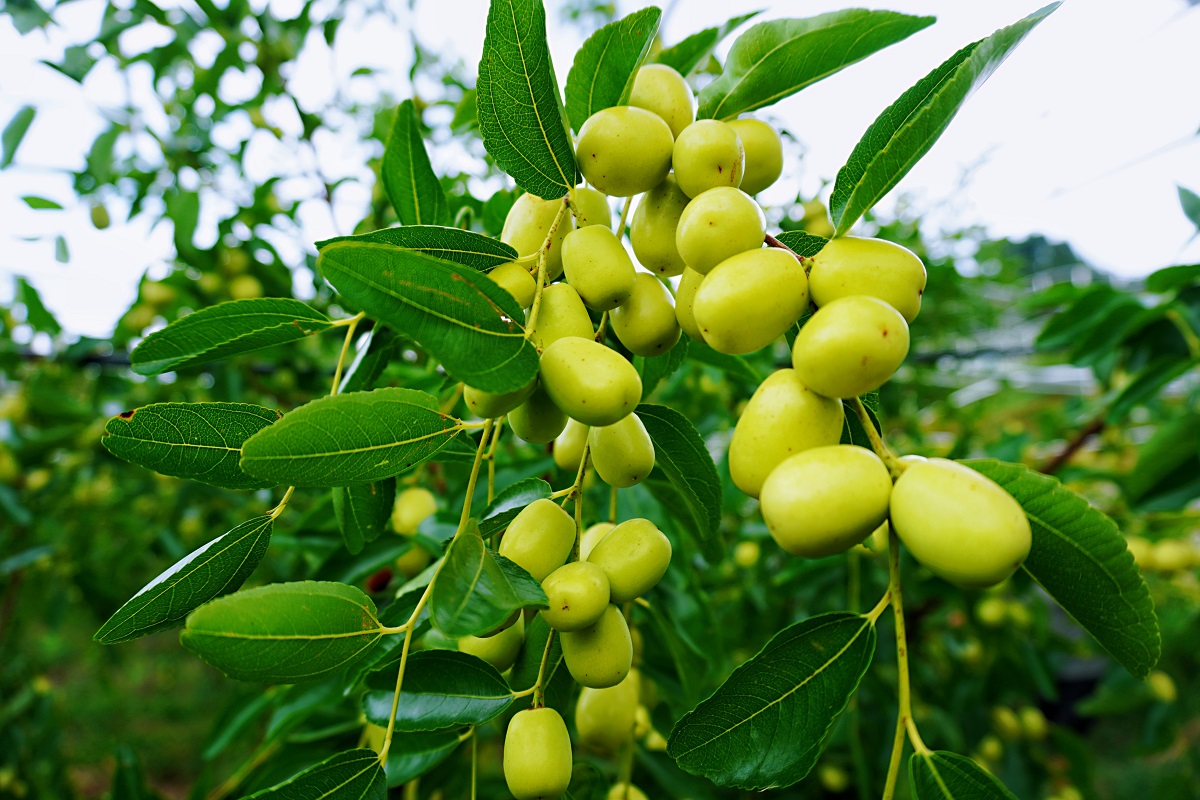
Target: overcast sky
1082,135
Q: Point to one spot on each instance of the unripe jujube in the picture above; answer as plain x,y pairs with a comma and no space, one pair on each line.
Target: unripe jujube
624,151
783,417
516,280
537,754
539,539
591,383
501,649
826,500
592,537
601,654
561,314
527,224
645,322
718,224
850,346
652,228
487,405
598,267
764,154
591,207
622,453
661,89
578,594
635,555
605,718
412,506
707,154
568,446
685,302
538,420
625,791
875,267
749,300
960,524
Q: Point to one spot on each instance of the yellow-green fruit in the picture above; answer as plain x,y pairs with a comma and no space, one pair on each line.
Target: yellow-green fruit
598,267
622,453
992,612
561,314
656,742
499,650
708,154
685,303
601,654
1033,723
850,346
661,89
625,791
991,748
158,294
412,561
961,525
875,267
412,507
624,150
833,778
764,154
578,594
645,322
604,718
539,539
537,754
635,555
568,447
746,554
592,537
641,720
1171,555
749,300
816,219
652,228
538,420
591,383
527,224
591,207
100,218
1141,550
516,280
783,417
825,500
245,287
486,405
1006,723
718,224
1162,686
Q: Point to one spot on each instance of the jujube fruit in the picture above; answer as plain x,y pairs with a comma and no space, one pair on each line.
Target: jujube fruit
635,555
707,154
652,228
749,300
876,267
764,154
601,654
527,224
537,754
591,207
591,383
718,224
604,718
499,650
516,280
598,267
625,791
661,89
645,321
592,536
622,453
568,446
850,346
562,313
538,420
578,594
412,507
487,405
539,539
623,150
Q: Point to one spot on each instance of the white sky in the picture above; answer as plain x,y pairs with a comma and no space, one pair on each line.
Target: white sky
1081,135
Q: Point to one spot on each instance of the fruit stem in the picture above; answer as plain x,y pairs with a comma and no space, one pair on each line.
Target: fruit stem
491,459
612,507
543,254
283,501
600,329
474,763
893,464
577,494
539,688
624,214
351,324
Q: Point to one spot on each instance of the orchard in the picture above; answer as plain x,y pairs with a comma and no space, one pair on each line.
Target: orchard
614,482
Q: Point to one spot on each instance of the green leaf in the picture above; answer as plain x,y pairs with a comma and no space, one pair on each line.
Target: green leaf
520,111
907,129
36,313
509,502
460,317
350,438
374,353
687,54
362,511
1189,201
284,632
477,590
14,132
803,243
1174,278
604,69
224,330
414,754
200,441
773,60
655,369
1148,384
449,244
1080,558
737,366
442,689
765,726
680,454
1165,458
947,776
211,570
41,203
408,178
353,775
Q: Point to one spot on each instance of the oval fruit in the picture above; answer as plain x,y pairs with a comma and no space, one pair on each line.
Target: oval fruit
591,383
764,154
652,228
718,224
487,405
562,313
707,154
412,507
598,267
960,524
749,300
661,89
516,280
537,754
591,207
685,300
578,595
499,650
605,718
875,267
850,346
592,536
538,420
568,446
635,555
826,500
783,417
527,224
625,791
539,539
601,654
645,322
622,453
624,151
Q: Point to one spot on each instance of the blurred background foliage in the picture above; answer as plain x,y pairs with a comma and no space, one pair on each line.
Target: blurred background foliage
1021,353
